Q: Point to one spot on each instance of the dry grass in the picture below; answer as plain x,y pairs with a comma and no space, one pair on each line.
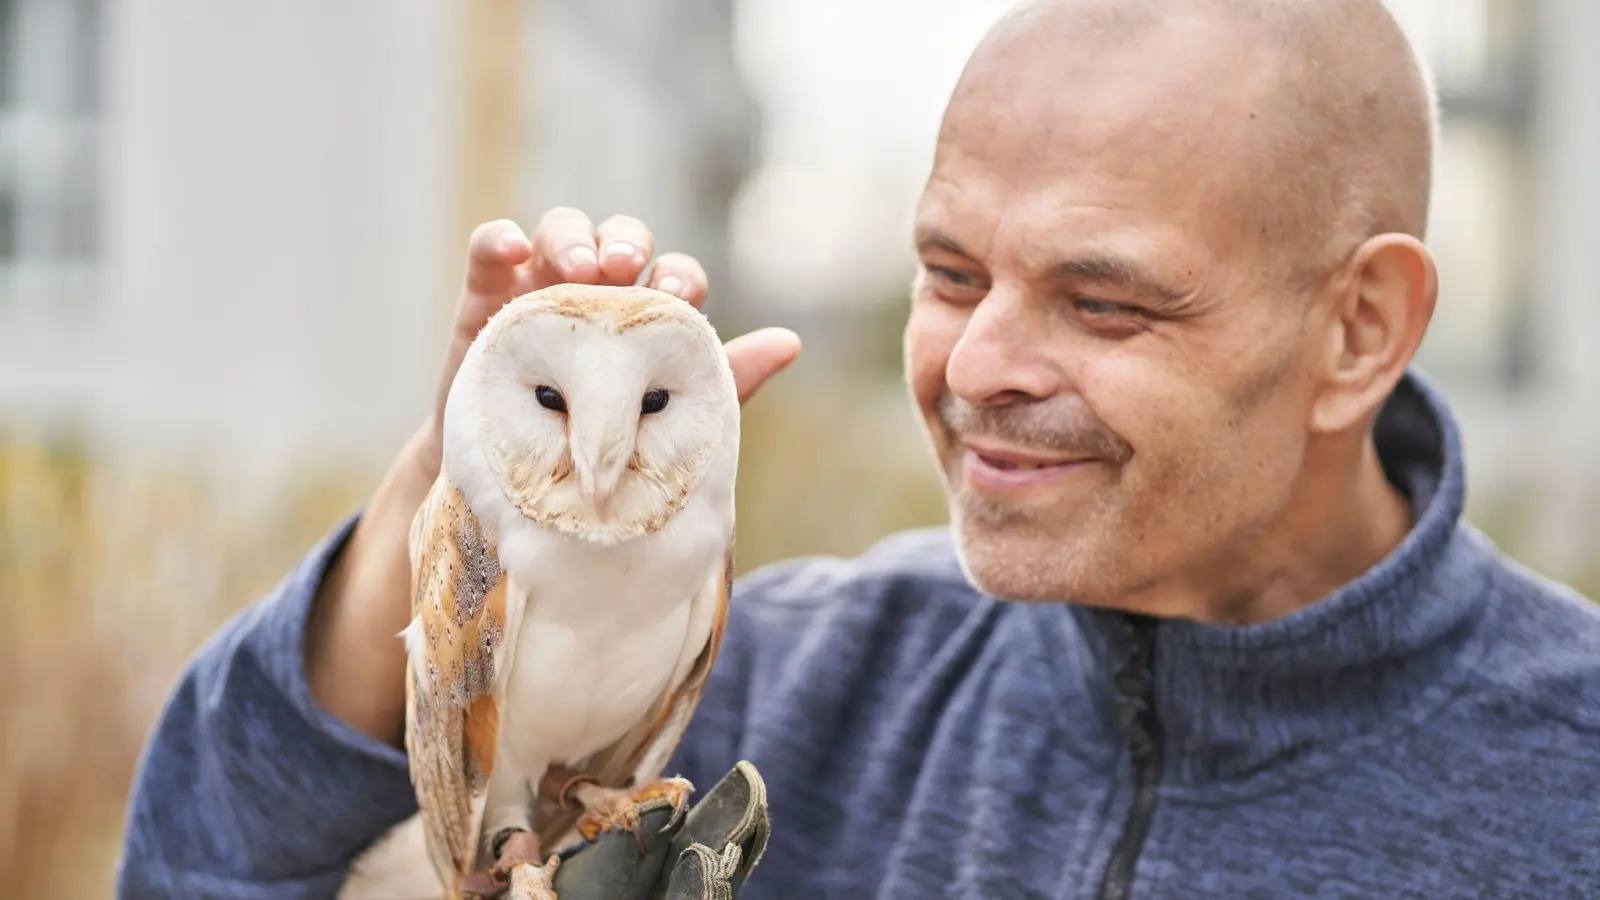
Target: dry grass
111,574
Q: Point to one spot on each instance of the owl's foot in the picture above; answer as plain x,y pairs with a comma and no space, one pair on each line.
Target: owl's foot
618,809
513,848
534,882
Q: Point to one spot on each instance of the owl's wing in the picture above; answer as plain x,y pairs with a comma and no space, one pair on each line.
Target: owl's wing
452,718
640,755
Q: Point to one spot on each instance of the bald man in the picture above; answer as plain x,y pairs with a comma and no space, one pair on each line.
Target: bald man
1207,621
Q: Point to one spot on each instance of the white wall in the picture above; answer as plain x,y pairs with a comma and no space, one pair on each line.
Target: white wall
1564,445
275,197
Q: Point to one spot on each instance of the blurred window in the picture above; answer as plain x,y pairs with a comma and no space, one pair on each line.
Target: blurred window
50,55
1481,222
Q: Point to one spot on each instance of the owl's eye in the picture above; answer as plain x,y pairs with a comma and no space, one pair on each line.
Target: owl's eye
550,398
654,401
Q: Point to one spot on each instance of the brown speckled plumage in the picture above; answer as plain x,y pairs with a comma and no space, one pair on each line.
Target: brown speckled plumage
460,602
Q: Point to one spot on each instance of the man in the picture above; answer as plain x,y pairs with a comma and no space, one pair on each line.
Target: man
1207,622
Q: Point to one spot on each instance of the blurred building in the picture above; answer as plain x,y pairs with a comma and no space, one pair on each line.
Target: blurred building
231,231
1513,225
260,268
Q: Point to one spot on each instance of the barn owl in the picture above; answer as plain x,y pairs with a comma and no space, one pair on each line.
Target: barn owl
571,573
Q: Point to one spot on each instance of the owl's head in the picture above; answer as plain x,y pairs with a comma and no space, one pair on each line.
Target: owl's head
598,410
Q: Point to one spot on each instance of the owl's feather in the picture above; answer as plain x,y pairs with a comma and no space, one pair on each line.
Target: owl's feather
452,718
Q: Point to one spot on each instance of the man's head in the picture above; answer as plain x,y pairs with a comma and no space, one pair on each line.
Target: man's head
1170,253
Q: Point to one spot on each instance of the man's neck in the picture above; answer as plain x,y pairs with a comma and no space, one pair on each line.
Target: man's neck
1339,523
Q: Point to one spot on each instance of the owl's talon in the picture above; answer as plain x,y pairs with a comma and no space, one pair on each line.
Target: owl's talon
617,809
534,882
515,849
482,884
615,813
512,847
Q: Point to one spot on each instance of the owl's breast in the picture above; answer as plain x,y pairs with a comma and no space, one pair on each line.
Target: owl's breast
602,632
575,690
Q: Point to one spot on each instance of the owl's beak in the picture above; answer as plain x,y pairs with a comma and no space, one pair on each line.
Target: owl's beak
600,452
597,497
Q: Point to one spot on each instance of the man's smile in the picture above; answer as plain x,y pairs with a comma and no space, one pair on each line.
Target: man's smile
992,469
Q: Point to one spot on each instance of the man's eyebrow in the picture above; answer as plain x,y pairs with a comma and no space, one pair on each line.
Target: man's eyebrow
1097,268
1119,271
927,238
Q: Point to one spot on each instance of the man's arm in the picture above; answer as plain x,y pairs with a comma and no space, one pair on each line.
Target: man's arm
277,757
247,787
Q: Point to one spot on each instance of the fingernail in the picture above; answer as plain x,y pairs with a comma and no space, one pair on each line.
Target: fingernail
670,284
581,256
622,249
513,242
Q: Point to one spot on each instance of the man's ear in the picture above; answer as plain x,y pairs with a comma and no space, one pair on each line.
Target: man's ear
1378,314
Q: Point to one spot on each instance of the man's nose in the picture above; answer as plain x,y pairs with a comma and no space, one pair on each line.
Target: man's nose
1003,354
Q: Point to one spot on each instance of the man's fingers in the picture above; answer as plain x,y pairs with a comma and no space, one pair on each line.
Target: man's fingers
625,246
681,274
564,248
494,251
759,355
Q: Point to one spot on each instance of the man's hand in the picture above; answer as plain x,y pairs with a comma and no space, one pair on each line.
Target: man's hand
354,661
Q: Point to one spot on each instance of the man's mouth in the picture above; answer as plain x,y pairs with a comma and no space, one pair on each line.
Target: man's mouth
1000,470
1024,466
1006,458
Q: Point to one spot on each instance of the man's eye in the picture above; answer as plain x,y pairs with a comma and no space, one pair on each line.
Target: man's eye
959,279
1095,307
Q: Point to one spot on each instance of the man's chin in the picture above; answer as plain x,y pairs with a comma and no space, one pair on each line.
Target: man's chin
979,514
1014,560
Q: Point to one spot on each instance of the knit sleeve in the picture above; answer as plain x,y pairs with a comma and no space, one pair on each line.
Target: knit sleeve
246,787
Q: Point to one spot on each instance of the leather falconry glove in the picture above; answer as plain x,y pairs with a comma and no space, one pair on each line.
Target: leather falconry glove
706,854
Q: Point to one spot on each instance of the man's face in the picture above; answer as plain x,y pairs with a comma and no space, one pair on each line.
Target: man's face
1105,358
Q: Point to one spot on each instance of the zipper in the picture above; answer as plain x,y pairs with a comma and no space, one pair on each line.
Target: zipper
1135,708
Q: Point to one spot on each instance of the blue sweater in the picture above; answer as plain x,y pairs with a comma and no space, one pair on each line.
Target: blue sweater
1431,730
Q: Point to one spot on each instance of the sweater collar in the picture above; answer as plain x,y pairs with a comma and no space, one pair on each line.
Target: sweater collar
1230,701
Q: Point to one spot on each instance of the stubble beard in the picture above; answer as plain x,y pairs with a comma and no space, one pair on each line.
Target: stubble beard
1025,551
1010,552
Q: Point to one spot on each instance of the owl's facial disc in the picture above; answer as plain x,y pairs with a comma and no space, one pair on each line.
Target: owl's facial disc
603,432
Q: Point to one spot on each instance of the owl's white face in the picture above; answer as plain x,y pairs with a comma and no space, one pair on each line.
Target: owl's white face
600,410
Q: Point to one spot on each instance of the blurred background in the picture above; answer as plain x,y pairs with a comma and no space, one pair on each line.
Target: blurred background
231,235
